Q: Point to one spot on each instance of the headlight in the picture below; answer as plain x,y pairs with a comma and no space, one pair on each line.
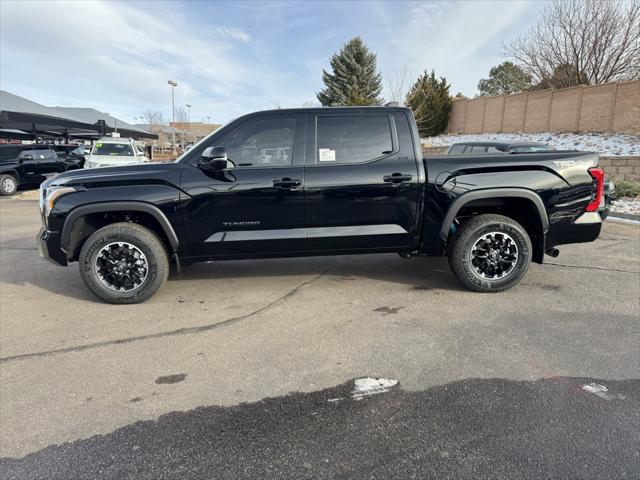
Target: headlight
49,197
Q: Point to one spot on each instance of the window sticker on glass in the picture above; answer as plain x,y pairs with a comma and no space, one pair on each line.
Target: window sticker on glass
327,155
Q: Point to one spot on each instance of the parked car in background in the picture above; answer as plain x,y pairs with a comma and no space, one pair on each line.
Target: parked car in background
114,152
71,154
495,147
26,165
527,147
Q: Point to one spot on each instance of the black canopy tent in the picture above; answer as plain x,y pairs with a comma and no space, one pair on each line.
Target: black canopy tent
29,126
22,119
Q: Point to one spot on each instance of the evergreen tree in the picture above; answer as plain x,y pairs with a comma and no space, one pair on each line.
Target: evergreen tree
430,101
355,80
504,79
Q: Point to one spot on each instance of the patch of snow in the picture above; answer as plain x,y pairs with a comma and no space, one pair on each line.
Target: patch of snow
602,392
626,205
606,144
363,387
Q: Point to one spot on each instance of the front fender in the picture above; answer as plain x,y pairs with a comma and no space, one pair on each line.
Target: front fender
133,206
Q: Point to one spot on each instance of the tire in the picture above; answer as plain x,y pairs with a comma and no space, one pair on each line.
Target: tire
8,185
139,254
502,241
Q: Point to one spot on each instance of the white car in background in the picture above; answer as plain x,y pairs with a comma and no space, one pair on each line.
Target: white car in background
114,152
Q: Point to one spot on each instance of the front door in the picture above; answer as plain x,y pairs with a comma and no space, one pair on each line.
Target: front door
256,206
361,183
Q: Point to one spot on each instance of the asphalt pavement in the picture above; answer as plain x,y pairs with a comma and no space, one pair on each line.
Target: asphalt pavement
244,369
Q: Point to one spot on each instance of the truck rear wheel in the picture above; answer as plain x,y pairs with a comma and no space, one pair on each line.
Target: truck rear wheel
124,263
490,253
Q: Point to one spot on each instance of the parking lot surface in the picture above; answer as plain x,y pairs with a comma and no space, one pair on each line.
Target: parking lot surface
199,381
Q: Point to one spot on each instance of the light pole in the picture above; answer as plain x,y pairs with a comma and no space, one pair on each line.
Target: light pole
188,105
173,84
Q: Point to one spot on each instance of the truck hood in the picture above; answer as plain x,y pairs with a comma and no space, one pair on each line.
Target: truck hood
126,174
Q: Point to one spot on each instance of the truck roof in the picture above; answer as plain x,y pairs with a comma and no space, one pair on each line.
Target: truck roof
340,109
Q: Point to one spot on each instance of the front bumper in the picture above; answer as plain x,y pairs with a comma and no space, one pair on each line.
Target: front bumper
49,247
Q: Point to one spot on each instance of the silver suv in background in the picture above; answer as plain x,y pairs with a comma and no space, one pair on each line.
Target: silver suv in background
114,152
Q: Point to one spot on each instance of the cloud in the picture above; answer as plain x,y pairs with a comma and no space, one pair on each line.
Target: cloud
111,54
231,58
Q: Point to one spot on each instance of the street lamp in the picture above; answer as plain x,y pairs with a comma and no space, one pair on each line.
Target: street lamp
188,105
173,84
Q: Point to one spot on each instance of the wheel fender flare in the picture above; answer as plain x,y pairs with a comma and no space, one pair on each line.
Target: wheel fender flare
465,198
76,213
12,172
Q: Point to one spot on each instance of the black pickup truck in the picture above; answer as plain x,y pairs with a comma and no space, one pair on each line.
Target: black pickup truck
324,181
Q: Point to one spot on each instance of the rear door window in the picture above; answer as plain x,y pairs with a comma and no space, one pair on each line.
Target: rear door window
352,139
478,149
9,153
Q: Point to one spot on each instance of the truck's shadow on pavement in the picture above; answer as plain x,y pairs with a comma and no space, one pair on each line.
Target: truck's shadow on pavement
470,429
421,273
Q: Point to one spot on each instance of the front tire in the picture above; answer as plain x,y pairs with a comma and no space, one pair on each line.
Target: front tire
491,253
124,263
8,185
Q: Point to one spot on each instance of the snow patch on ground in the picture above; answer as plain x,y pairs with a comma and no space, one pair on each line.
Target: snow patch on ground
626,205
363,387
602,392
606,144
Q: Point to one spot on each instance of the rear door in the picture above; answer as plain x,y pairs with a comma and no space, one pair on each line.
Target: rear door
361,182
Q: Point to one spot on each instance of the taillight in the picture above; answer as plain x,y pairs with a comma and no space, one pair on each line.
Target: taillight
598,176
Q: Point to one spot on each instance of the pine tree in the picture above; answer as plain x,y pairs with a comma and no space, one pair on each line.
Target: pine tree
355,80
430,101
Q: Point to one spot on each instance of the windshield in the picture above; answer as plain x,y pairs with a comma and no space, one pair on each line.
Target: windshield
113,149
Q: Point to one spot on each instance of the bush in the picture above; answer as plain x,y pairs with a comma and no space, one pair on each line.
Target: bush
627,189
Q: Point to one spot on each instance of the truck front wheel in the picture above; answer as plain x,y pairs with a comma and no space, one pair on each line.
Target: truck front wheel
490,253
124,263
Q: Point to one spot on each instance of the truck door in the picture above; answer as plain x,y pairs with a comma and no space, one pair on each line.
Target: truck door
256,206
361,182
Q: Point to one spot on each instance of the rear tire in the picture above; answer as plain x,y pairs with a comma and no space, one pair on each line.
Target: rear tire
8,185
124,263
490,253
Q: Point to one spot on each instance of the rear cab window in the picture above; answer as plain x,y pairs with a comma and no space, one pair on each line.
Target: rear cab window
457,149
348,139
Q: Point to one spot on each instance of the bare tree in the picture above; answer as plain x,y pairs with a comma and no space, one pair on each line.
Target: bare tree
154,119
581,42
398,85
181,115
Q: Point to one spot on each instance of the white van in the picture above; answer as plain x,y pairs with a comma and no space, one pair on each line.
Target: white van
113,152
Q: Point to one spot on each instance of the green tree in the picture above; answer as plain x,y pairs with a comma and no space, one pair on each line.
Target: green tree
430,101
355,80
504,79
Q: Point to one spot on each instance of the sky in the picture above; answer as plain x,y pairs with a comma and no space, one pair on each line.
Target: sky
232,58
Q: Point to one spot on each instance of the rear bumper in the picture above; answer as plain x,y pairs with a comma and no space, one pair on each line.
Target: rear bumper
585,228
49,247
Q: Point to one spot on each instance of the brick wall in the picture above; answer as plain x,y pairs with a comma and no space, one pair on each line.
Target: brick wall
609,107
621,168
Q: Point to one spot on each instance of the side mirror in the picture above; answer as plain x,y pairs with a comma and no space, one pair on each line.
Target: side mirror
214,159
